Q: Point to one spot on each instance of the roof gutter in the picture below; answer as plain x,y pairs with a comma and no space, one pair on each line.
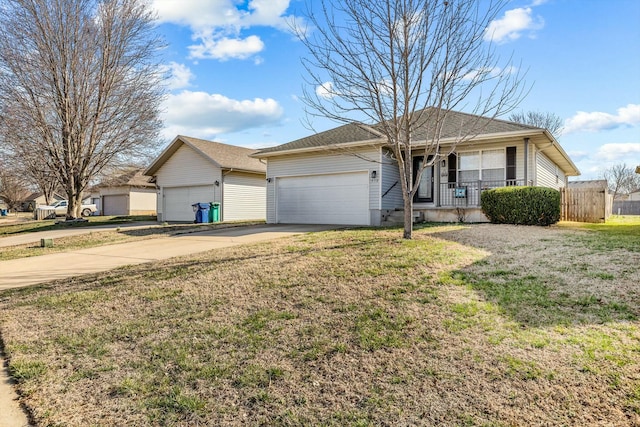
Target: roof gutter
334,147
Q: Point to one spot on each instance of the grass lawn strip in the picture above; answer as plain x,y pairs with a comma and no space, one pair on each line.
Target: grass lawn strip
32,226
474,325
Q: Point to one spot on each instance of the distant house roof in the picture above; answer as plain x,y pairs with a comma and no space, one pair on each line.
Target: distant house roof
595,183
222,155
36,195
479,127
133,178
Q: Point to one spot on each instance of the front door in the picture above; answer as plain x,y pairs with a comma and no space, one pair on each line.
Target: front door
425,186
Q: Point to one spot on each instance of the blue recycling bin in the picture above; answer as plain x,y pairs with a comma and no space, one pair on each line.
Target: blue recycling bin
202,212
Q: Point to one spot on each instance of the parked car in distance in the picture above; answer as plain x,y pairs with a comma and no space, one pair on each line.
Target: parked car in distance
60,207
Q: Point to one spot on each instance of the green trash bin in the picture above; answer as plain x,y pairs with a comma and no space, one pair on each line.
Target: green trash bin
214,212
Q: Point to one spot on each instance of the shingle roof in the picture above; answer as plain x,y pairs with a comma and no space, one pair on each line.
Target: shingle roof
453,122
594,183
224,156
341,135
132,177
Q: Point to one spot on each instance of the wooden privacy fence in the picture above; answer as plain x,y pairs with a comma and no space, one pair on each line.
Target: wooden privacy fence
585,204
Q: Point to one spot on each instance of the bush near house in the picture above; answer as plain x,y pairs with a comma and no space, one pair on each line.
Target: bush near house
521,205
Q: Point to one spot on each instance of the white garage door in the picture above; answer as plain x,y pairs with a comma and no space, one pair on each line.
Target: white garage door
324,199
178,201
245,197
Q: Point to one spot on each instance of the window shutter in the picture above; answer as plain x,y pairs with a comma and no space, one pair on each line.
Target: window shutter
511,163
453,167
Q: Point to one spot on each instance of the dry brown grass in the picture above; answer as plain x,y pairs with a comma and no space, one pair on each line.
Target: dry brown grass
476,325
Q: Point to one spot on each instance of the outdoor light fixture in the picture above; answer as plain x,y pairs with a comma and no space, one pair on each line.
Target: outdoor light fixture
268,179
217,183
374,174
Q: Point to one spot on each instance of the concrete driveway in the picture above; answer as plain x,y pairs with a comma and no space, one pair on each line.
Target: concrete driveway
46,268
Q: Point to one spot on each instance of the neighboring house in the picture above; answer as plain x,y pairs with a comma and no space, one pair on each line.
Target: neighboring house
346,175
37,199
635,196
129,193
192,170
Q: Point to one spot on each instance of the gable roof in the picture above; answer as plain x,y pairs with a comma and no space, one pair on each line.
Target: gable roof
38,194
481,128
360,133
133,177
224,156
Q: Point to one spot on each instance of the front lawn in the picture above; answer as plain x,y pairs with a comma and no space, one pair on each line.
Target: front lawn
488,325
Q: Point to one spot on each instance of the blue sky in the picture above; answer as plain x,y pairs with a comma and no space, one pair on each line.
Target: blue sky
236,75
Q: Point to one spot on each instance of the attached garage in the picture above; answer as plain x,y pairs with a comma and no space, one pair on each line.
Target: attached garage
178,200
339,198
115,204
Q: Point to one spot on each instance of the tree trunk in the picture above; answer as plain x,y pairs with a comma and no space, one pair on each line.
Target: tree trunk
408,218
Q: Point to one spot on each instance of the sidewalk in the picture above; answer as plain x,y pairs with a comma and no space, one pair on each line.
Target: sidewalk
47,268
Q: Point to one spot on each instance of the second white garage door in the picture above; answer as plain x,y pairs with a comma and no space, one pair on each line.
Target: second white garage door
114,205
178,201
323,199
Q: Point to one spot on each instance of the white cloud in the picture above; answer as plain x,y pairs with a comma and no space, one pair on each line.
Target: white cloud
217,24
179,76
325,90
511,26
226,48
594,163
597,121
618,152
205,115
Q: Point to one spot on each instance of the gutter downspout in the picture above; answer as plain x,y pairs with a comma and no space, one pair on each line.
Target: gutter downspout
526,161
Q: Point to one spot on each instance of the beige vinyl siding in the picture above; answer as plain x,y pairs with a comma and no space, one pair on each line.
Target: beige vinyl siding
547,173
318,163
142,201
186,167
244,197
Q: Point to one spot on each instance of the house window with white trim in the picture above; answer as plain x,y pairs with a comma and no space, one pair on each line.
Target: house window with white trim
482,165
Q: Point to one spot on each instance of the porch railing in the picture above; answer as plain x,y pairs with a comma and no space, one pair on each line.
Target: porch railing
463,194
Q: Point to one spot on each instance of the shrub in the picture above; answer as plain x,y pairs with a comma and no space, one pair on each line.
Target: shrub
521,205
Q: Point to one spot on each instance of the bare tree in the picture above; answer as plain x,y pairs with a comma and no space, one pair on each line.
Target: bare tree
32,165
385,62
549,121
622,180
13,189
79,85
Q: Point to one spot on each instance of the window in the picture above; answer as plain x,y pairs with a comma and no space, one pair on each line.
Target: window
469,166
493,162
484,165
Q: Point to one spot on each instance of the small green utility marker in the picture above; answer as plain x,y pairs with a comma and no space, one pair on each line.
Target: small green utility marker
46,243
